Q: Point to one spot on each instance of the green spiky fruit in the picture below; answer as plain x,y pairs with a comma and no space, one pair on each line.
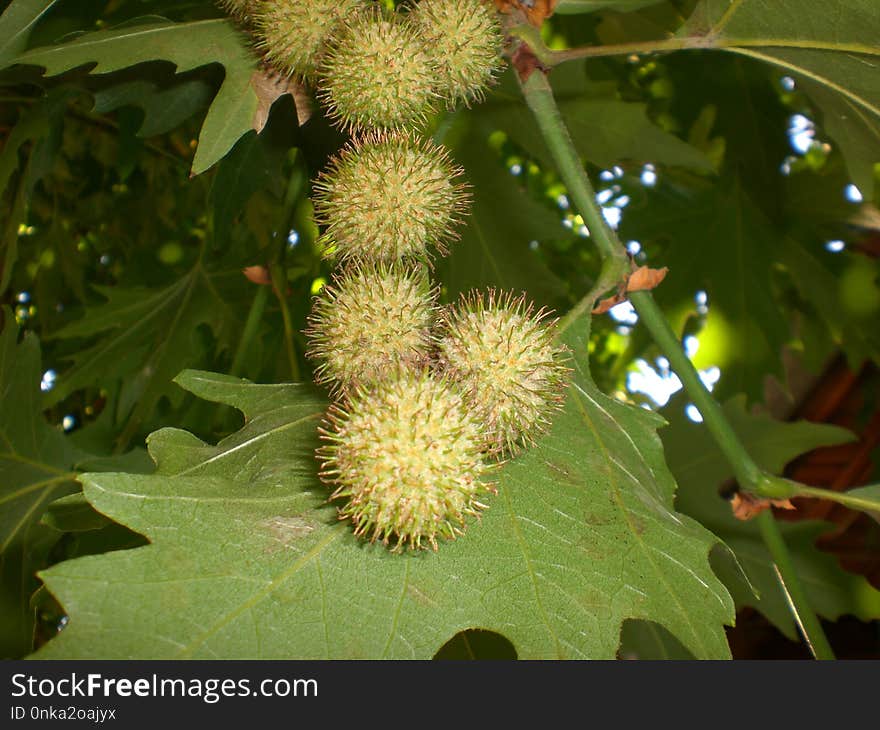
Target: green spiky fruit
465,40
241,10
378,74
502,354
407,458
371,320
390,196
293,33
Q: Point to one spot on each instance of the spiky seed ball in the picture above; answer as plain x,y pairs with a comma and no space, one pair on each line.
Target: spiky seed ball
377,74
502,354
241,10
407,458
371,320
387,197
293,33
465,41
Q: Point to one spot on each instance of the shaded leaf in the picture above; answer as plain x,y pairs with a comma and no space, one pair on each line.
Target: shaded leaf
494,246
581,536
718,240
604,129
700,468
145,336
188,46
165,107
647,640
822,288
16,24
73,514
828,44
571,7
36,466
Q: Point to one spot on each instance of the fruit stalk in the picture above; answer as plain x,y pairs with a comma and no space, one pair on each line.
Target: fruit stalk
538,94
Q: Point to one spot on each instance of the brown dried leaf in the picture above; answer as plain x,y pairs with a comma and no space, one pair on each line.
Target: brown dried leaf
268,88
747,506
257,274
537,11
525,62
608,303
644,278
639,280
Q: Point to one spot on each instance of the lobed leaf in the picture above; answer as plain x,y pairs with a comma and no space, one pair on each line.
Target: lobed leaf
187,45
831,46
248,560
700,469
36,466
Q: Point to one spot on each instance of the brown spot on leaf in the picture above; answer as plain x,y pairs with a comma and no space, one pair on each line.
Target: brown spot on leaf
287,530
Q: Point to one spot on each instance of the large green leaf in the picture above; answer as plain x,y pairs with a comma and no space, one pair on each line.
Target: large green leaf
188,46
832,46
248,560
700,468
16,24
36,466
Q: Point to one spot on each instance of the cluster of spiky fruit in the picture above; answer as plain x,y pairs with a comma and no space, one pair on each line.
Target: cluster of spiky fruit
428,399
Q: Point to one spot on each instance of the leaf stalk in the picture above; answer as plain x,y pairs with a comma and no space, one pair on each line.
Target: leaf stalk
539,97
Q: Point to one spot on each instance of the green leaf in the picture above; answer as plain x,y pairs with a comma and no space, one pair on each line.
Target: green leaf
647,640
823,290
38,130
866,499
700,468
718,240
503,221
16,24
146,336
572,7
73,514
165,107
604,129
580,537
188,46
36,466
831,46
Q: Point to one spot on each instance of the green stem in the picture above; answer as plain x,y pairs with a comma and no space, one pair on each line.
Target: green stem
255,316
548,58
279,285
539,97
295,184
798,602
844,498
779,488
650,315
